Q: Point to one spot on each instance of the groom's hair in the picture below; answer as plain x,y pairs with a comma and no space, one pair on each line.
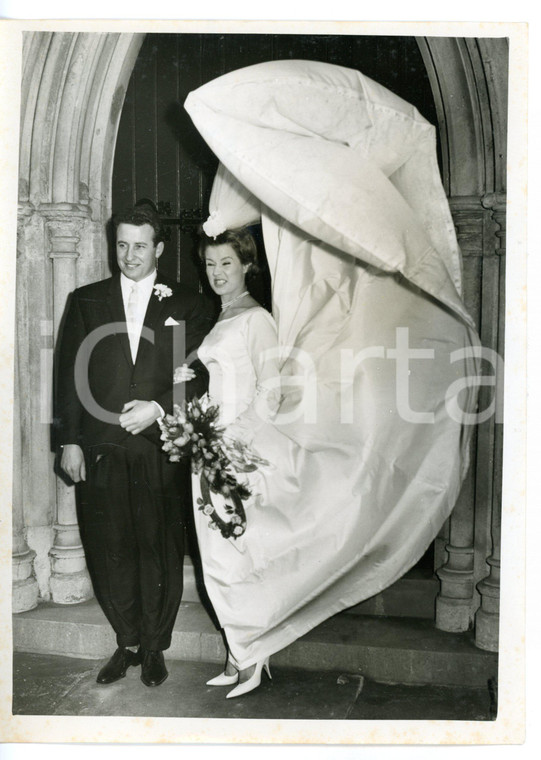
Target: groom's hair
242,243
144,212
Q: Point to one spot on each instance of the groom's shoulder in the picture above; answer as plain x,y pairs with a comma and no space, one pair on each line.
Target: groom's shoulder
94,290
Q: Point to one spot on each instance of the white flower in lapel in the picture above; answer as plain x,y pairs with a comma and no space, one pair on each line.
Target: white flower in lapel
162,291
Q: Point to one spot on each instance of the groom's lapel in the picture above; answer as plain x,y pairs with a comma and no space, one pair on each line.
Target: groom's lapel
116,308
154,311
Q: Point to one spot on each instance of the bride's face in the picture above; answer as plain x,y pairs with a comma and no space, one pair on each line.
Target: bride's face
225,272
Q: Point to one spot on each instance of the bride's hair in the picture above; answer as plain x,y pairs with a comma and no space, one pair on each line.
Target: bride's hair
240,240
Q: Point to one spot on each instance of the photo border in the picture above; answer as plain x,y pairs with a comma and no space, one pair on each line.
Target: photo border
510,724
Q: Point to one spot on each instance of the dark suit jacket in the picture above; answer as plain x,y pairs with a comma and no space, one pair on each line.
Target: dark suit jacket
95,372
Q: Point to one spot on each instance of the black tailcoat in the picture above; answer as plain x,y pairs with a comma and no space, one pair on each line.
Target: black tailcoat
130,507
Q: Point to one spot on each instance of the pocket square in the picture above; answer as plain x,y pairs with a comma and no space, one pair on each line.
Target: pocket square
171,321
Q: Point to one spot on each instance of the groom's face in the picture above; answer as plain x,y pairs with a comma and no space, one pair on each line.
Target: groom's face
136,252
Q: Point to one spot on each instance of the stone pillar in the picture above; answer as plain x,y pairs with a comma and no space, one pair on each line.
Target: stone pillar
455,601
474,526
72,91
454,611
70,582
487,619
25,590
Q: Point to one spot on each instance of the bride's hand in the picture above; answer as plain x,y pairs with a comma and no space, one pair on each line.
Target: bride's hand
183,374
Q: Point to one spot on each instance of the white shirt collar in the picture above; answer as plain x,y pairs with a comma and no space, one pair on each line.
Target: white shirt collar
144,286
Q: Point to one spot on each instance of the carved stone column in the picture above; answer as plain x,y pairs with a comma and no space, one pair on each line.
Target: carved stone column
25,590
72,92
455,601
70,582
487,619
474,526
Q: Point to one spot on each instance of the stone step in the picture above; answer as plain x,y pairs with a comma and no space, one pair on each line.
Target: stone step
389,650
413,595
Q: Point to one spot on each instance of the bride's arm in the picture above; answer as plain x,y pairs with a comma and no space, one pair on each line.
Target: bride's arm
262,345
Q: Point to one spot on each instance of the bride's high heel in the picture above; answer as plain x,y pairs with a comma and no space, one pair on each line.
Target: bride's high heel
223,679
254,680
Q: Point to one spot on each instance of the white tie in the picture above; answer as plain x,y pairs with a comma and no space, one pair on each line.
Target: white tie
132,319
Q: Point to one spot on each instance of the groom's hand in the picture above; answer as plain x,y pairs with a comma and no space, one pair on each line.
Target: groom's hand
137,415
73,462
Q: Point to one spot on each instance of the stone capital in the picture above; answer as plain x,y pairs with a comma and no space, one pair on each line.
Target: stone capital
495,201
64,211
480,223
64,232
466,203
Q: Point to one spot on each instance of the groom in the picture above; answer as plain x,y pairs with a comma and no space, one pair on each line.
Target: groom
114,381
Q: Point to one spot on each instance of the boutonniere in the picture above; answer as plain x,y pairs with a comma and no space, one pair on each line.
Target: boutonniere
162,291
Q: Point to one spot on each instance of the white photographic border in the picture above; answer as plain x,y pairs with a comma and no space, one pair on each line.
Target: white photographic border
509,726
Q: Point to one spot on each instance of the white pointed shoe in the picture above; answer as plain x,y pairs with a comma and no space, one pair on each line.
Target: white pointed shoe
253,682
223,680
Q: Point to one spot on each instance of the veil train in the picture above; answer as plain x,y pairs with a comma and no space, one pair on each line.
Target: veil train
372,447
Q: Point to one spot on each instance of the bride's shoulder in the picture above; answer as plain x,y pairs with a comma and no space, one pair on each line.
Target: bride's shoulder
259,314
251,313
248,318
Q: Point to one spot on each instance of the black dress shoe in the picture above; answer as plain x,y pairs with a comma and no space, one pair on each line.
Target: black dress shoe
153,670
118,665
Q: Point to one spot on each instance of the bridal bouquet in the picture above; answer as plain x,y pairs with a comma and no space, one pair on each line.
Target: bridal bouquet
193,431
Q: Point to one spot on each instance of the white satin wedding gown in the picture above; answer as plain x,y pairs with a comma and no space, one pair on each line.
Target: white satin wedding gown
371,345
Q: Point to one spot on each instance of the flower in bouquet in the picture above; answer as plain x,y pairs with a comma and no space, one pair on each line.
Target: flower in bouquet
193,431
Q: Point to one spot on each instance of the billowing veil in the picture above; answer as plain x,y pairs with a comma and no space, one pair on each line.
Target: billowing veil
375,342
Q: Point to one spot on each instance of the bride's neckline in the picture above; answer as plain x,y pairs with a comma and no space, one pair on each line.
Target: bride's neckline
234,316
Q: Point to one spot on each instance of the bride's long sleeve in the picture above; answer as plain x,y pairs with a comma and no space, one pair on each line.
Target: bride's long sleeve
262,345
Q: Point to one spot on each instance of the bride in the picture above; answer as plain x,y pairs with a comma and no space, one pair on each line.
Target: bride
241,355
352,396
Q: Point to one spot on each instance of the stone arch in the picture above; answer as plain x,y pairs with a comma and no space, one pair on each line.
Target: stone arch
469,83
72,94
72,91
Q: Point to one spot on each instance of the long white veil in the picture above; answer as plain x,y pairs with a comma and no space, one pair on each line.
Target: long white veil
366,287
